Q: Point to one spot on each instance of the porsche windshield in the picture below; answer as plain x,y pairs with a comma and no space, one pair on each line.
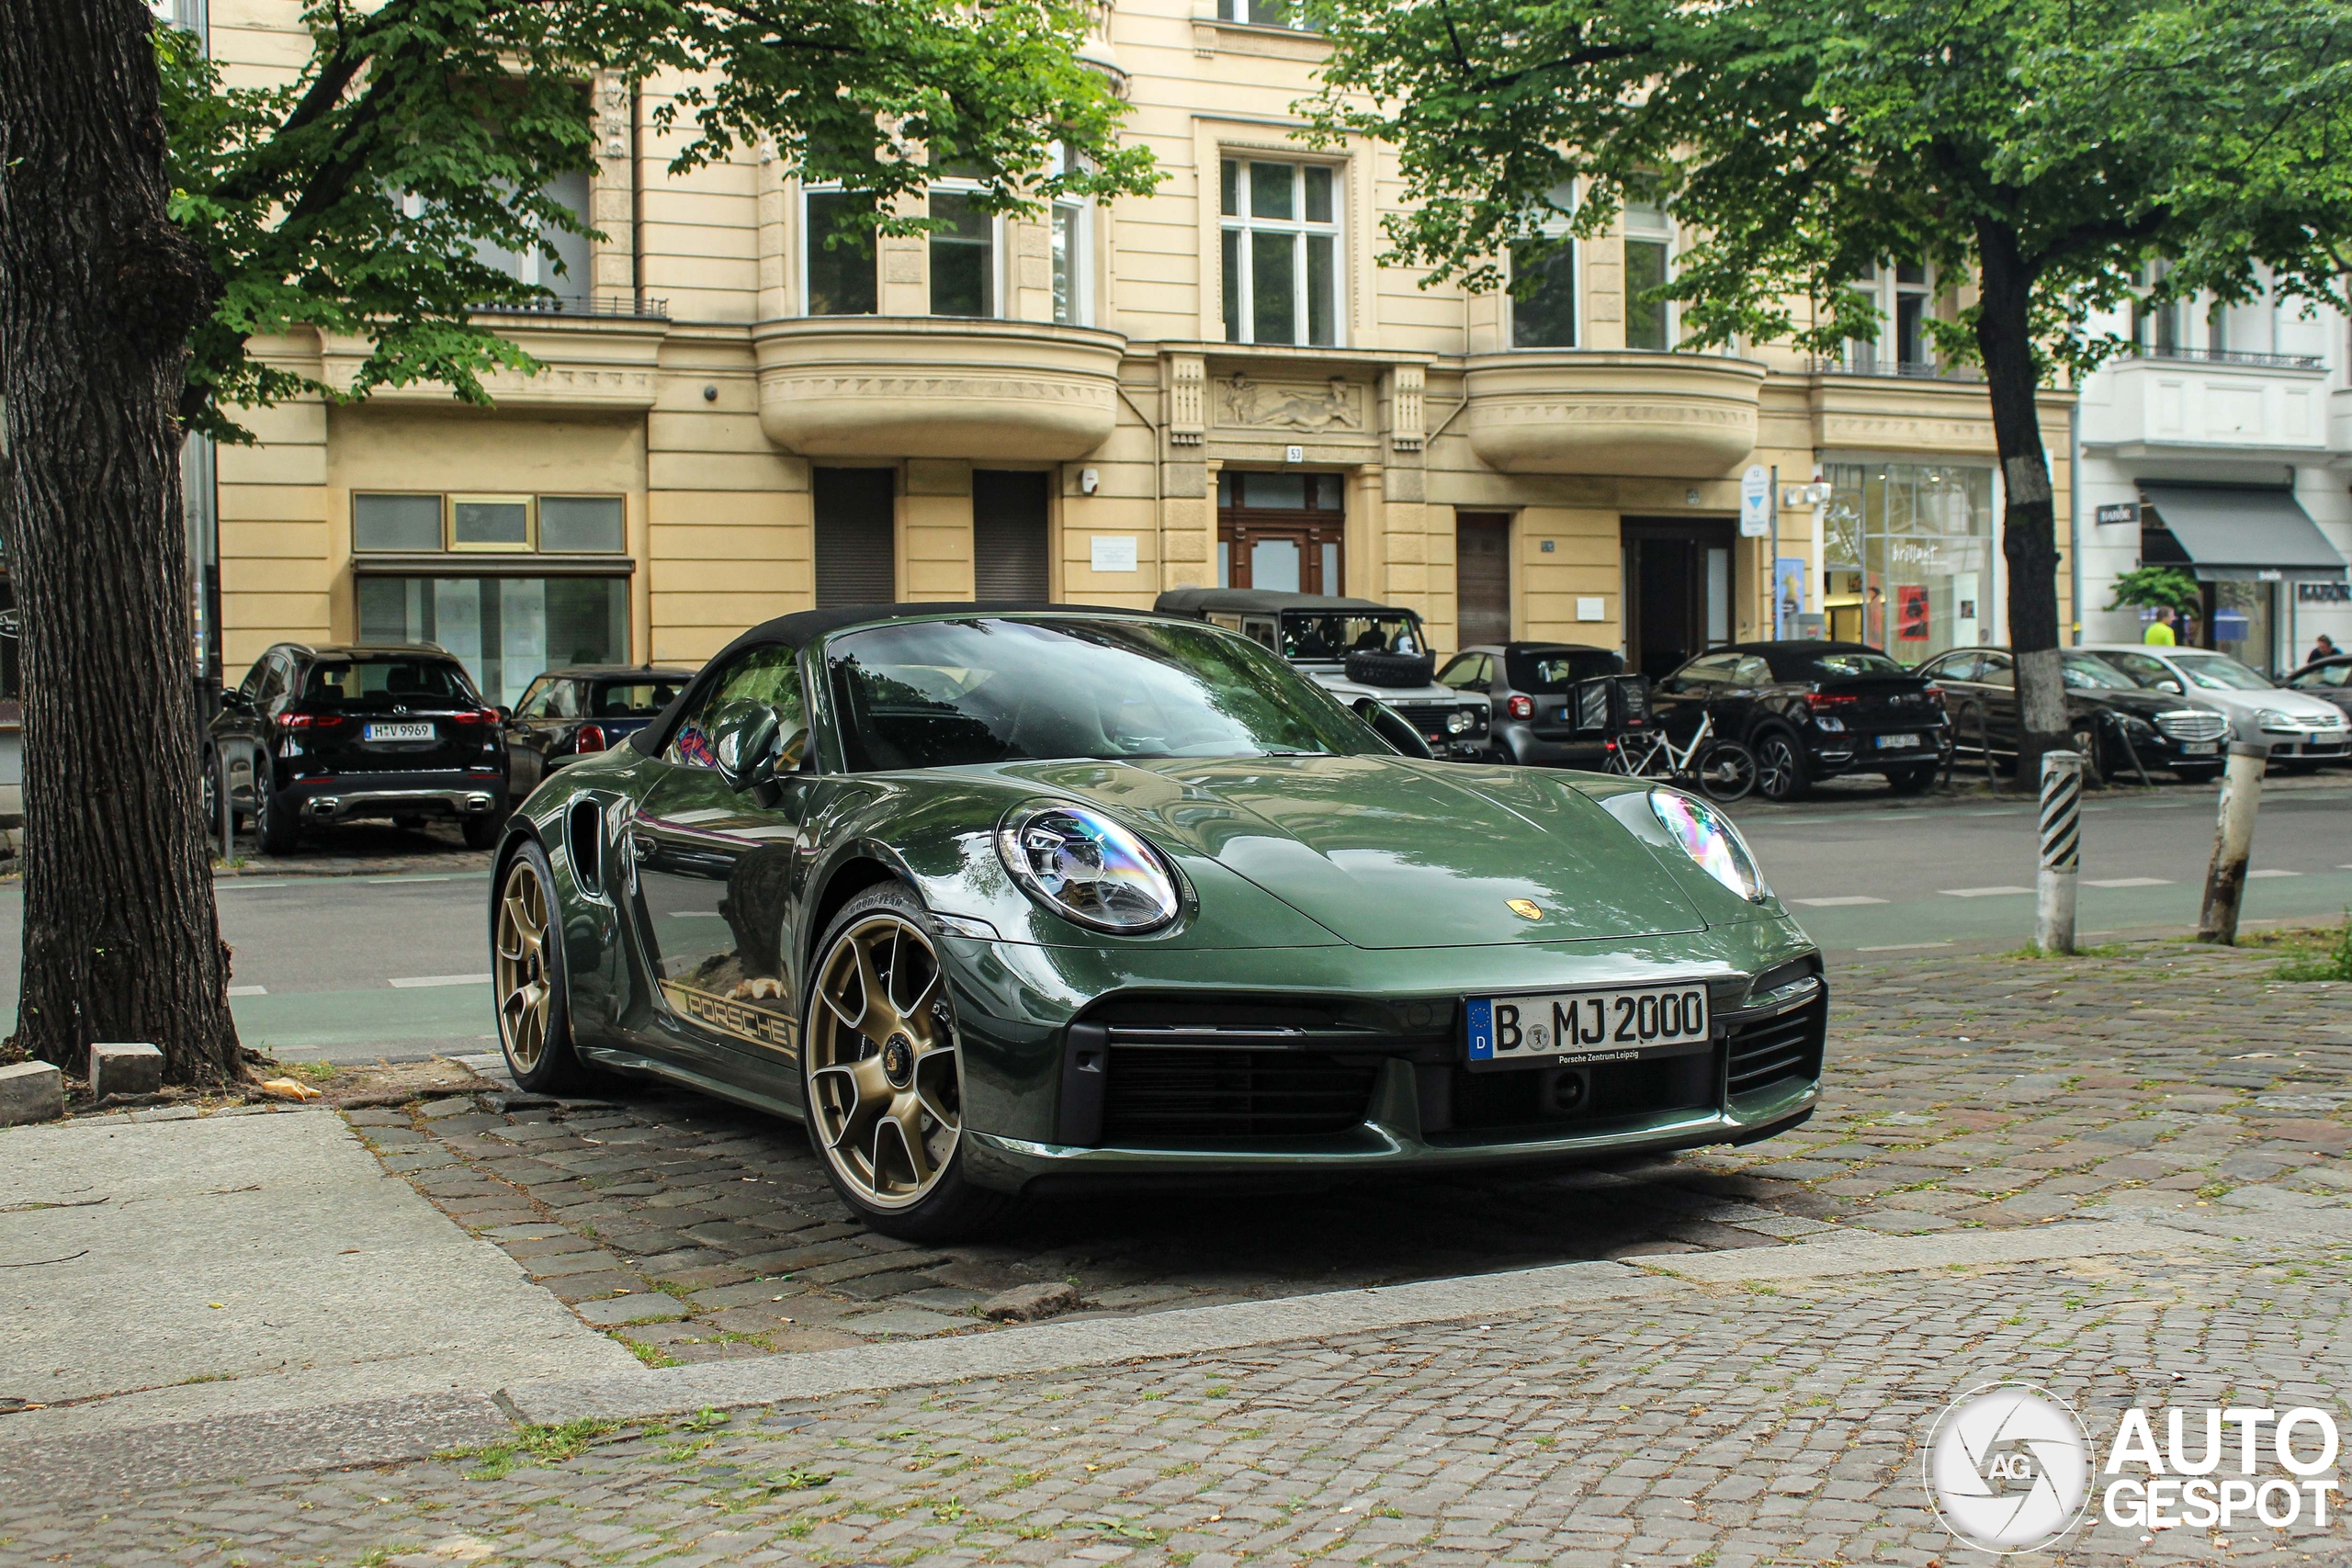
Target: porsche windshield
951,693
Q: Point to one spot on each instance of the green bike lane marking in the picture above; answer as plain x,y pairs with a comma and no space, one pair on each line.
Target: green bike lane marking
296,1021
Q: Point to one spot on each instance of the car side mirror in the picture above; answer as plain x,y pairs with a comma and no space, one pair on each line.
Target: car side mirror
1393,726
235,701
751,746
505,716
2172,686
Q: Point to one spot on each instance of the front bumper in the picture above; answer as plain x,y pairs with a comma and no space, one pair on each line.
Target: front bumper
1097,1099
358,795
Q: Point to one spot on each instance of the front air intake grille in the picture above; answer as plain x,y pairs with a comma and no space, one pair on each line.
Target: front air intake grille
1167,1094
1773,1051
2190,725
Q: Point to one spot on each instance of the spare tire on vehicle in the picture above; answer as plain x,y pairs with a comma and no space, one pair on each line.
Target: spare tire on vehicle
1386,668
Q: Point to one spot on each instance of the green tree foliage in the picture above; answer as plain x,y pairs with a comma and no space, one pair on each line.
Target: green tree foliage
2047,150
2158,588
357,198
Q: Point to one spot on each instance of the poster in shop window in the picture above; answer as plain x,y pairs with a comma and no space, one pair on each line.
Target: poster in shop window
1910,612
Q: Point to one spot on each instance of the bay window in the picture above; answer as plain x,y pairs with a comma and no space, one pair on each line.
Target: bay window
838,276
1544,291
1649,246
1280,251
963,256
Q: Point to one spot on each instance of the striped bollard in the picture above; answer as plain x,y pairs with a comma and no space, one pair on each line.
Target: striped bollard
2062,851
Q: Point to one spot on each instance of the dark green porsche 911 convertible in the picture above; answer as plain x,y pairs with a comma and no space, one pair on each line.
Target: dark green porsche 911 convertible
1002,898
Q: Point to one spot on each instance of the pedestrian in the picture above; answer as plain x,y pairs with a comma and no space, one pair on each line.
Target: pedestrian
2159,634
2323,647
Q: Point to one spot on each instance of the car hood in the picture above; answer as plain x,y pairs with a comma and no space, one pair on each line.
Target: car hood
2299,704
1394,853
1339,685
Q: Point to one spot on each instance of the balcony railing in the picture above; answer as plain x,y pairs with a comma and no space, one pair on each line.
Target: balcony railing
1914,370
640,308
2232,356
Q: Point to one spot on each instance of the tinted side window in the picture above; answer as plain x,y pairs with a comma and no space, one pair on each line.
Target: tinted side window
1751,671
250,685
771,675
1715,670
1997,671
1959,667
273,681
1464,671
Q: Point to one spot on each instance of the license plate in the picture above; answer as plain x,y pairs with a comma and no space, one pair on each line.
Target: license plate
400,732
2199,748
1619,1024
1894,742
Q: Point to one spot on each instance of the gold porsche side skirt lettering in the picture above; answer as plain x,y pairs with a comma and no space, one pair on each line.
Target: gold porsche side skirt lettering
741,1020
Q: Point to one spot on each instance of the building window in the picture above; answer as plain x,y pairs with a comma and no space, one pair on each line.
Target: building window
1281,251
963,256
1543,292
1296,14
567,273
506,631
1909,557
404,523
1071,241
838,276
1902,297
1649,246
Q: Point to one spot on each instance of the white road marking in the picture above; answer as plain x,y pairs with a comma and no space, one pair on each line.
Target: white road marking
416,981
1980,892
1838,902
389,880
226,883
693,915
2252,875
249,990
2129,882
1903,947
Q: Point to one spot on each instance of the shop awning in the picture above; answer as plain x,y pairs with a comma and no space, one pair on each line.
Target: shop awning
2222,533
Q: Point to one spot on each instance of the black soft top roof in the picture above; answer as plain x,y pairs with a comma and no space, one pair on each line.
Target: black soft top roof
1260,601
621,672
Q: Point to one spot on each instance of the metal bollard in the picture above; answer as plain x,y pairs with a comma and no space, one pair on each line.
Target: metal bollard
2233,842
2062,851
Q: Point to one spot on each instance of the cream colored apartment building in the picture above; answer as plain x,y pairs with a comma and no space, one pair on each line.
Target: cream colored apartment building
1217,383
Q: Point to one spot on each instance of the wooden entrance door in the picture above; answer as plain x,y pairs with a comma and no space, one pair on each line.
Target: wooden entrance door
1482,577
1283,532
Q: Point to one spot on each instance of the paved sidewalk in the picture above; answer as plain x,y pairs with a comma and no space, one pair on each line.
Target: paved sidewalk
1963,1093
173,1268
1690,1424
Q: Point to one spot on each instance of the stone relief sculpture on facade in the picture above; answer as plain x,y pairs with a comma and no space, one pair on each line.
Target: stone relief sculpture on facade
1339,405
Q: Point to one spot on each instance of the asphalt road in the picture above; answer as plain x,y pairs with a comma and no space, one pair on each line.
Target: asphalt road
355,969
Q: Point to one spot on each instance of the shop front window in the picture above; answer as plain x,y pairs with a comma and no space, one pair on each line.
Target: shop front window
506,631
1909,557
2240,615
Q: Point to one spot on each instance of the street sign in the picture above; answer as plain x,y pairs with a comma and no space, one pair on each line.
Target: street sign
1755,502
2122,511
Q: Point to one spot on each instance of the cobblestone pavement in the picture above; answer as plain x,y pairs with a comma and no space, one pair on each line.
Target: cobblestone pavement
1717,1427
1980,1092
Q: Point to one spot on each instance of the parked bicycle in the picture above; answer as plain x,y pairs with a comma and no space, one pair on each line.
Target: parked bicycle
1722,770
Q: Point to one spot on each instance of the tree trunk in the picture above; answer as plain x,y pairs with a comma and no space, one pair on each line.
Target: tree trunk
2028,544
98,289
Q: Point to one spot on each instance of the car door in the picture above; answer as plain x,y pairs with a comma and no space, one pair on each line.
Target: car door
1739,701
1996,700
1963,695
716,874
238,736
1683,698
540,722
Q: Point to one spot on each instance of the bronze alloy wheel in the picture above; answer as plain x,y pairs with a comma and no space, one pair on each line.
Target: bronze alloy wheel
886,1083
526,992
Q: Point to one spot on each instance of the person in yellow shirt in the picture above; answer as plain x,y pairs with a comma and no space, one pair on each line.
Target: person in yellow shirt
2159,634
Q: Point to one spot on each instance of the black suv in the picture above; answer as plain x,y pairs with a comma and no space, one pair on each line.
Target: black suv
1812,711
320,735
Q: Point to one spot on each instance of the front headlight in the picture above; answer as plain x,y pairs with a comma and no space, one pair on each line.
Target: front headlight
1708,838
2271,718
1459,721
1087,868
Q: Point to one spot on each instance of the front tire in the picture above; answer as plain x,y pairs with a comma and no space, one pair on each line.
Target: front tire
1780,767
527,961
882,1072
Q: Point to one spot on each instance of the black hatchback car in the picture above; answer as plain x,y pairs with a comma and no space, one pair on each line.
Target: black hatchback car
320,735
569,713
2113,721
1532,685
1812,711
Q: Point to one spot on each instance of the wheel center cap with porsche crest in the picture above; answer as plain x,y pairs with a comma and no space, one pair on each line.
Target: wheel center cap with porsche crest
899,1060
